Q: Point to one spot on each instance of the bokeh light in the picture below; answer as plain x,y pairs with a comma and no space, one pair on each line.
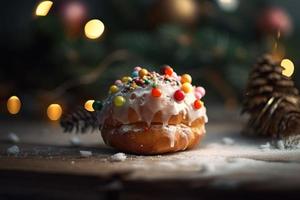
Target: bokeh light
94,29
288,66
43,8
89,105
228,5
13,105
54,112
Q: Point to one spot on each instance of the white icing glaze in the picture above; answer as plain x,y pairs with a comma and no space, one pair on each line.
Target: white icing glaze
146,106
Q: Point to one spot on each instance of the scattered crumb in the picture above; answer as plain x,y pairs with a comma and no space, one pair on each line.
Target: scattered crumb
118,157
72,162
292,142
13,138
85,153
227,141
280,145
266,146
75,141
13,150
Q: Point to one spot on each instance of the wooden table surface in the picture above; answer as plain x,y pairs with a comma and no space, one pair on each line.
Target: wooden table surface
49,167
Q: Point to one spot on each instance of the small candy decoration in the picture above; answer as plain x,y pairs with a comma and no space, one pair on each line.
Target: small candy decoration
167,70
187,87
179,95
155,92
126,79
198,95
143,72
113,89
186,78
201,91
119,101
118,82
135,73
198,104
97,105
137,68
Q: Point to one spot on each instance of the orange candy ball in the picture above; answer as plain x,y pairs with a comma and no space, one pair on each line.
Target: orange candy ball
155,92
143,72
186,78
198,104
186,87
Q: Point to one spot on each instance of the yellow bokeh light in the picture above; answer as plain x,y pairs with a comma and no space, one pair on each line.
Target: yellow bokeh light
288,66
89,105
43,8
54,112
13,105
93,29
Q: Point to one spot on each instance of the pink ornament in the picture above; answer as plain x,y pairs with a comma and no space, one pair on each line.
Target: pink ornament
137,68
274,19
200,90
74,14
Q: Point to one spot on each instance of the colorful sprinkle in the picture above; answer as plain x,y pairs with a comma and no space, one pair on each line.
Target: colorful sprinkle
135,74
155,92
97,105
113,89
143,72
179,95
147,81
119,101
118,82
198,104
198,95
186,78
168,70
201,90
187,87
126,79
137,68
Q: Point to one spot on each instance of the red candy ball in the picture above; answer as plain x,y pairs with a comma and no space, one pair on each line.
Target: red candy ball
167,70
155,92
197,104
179,95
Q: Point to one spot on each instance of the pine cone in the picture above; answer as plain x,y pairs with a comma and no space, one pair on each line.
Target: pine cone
271,100
81,120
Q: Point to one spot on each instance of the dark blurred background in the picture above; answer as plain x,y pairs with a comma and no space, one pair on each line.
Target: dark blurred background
50,59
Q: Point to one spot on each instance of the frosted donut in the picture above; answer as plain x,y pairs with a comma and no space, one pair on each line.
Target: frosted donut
151,113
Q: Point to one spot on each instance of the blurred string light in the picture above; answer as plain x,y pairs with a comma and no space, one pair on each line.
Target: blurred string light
288,66
13,105
54,112
43,8
228,5
89,105
93,29
183,10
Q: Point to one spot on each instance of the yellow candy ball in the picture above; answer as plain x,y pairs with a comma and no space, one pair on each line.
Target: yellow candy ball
125,79
186,78
186,87
143,72
113,89
119,101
